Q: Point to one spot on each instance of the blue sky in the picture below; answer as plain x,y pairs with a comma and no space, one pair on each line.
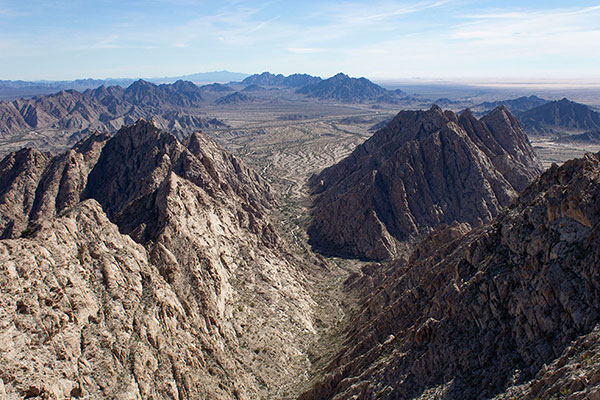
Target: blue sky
379,39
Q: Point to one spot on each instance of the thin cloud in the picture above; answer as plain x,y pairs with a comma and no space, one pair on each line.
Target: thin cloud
263,24
539,30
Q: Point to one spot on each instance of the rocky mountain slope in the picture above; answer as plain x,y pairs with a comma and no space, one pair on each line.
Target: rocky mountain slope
343,88
509,310
424,169
559,117
138,266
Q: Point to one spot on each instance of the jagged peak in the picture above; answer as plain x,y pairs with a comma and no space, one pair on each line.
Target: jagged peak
500,109
340,75
436,108
140,83
195,142
144,131
181,84
467,113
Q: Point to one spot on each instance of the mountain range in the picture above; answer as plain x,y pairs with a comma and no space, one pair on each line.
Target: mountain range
59,120
291,81
343,88
425,168
144,263
15,89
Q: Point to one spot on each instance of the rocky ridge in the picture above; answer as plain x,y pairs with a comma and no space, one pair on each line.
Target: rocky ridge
508,310
424,169
147,268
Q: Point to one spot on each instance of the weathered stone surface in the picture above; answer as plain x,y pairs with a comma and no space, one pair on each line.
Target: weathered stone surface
425,168
479,315
153,271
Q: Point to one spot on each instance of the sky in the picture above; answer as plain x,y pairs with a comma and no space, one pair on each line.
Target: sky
380,39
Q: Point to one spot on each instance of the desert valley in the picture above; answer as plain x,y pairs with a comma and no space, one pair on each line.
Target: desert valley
320,239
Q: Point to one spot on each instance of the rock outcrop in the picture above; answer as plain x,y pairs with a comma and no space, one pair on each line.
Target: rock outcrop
424,169
147,268
510,309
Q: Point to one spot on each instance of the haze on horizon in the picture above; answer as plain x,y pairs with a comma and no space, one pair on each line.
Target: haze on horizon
382,40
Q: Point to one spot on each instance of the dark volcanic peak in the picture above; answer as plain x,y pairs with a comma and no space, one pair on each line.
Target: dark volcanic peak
465,312
236,98
562,116
343,88
424,169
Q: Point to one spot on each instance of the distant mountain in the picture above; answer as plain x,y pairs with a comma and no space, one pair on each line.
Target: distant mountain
424,169
559,117
217,88
78,84
515,105
236,98
300,80
56,121
11,90
180,93
343,88
253,88
591,137
291,81
446,102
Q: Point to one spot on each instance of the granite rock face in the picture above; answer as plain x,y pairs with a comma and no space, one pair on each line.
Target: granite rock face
424,169
509,309
147,268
